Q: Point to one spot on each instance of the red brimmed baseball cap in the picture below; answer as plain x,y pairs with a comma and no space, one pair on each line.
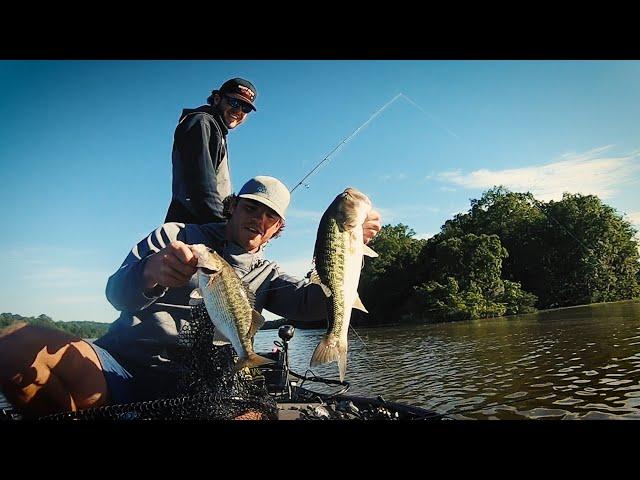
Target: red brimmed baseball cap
239,88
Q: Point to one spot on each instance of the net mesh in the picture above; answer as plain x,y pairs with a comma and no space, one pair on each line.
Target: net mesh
207,388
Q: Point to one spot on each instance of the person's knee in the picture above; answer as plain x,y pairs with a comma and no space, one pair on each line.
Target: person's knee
23,346
34,359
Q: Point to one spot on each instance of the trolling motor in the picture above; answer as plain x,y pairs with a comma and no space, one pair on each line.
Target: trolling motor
286,333
276,375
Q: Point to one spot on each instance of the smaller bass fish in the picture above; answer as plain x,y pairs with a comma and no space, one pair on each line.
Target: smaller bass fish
229,304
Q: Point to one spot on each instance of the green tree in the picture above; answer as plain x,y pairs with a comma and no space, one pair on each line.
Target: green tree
516,219
463,279
591,254
574,251
80,329
386,282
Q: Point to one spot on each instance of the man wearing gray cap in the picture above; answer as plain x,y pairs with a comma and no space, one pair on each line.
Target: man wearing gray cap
200,157
133,360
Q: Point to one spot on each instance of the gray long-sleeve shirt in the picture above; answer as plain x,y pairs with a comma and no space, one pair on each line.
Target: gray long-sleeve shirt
145,334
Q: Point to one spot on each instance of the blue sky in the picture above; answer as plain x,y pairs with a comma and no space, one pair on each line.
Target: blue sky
85,151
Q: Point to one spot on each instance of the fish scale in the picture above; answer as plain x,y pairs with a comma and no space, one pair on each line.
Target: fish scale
338,255
330,254
228,305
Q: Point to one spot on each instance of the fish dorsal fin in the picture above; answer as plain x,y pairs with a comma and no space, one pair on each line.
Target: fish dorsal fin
357,304
195,297
219,339
368,252
315,278
257,321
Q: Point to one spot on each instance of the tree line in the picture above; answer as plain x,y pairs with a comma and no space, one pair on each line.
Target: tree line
80,329
508,254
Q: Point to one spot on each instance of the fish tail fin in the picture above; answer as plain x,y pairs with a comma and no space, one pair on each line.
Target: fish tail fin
253,360
326,351
342,358
329,350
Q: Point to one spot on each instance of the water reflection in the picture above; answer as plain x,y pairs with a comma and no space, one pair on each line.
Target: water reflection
581,362
577,363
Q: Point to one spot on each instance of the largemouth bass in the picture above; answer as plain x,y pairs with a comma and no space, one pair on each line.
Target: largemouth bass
229,304
338,256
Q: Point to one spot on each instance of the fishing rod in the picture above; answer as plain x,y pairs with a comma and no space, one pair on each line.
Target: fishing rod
345,140
357,130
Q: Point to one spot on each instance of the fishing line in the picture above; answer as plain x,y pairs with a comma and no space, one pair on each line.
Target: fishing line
359,337
549,216
346,139
369,120
430,116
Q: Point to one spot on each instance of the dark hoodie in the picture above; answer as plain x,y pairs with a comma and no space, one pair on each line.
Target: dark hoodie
201,176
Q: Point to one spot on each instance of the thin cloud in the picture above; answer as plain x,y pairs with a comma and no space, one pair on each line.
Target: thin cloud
63,277
395,177
78,299
43,255
589,173
405,212
634,218
424,236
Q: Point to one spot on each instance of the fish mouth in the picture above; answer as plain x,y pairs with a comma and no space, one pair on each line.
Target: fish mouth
208,271
356,195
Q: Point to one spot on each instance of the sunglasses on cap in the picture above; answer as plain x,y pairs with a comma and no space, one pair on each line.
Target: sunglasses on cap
235,103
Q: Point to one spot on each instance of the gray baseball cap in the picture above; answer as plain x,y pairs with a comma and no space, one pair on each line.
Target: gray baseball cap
269,191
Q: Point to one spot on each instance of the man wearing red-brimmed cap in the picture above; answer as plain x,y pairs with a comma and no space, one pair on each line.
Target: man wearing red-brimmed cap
201,176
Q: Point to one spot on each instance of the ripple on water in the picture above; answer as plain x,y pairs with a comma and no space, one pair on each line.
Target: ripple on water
558,373
613,382
584,393
516,395
568,401
630,403
548,413
595,415
546,397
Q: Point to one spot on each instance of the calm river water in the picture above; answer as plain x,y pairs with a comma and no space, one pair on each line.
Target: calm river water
573,363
